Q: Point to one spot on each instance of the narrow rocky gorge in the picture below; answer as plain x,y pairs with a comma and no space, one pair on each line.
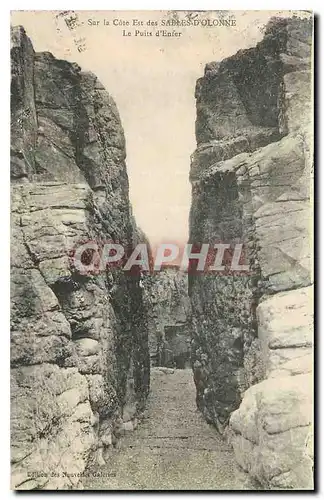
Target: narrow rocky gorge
167,380
251,183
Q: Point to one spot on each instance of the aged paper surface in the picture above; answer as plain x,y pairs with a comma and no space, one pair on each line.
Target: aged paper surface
161,250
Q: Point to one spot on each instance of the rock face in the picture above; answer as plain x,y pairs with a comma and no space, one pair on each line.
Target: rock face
169,318
79,347
251,179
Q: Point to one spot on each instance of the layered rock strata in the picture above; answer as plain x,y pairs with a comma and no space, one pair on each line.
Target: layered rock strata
79,347
251,183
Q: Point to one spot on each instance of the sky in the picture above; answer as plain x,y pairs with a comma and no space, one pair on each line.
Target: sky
152,80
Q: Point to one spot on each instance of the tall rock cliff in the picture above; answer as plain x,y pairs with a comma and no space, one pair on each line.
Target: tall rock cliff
251,183
79,347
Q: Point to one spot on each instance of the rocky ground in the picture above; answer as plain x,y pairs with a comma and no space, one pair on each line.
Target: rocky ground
173,448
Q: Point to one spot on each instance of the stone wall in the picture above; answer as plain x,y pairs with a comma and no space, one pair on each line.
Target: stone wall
251,183
79,347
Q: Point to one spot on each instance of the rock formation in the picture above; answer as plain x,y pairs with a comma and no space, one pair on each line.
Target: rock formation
251,182
169,318
79,349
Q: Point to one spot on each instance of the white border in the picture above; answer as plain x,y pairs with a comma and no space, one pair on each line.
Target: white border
161,5
317,6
